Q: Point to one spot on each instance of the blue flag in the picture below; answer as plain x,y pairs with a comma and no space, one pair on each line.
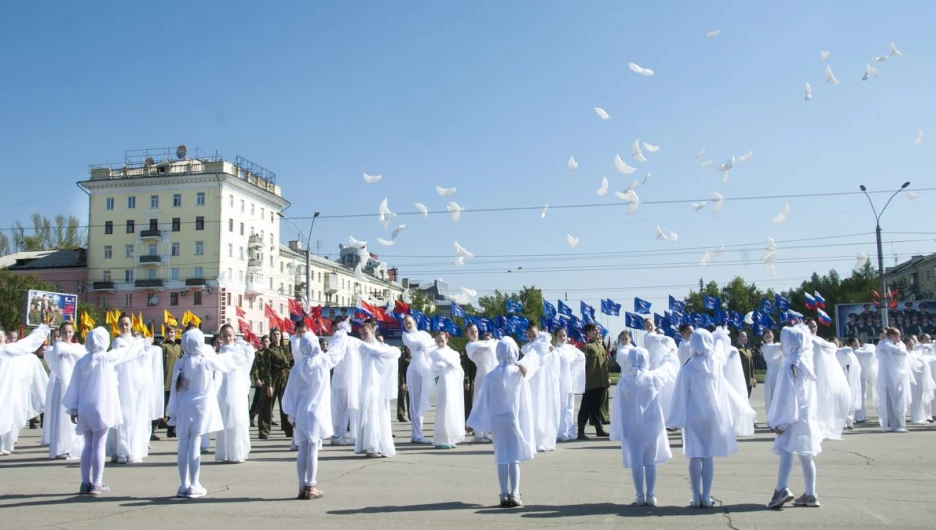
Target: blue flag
610,308
549,310
564,309
676,305
711,303
641,306
782,303
588,312
766,306
632,320
457,311
659,321
514,307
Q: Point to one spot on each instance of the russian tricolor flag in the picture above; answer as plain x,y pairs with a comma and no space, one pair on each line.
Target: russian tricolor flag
824,318
810,301
820,301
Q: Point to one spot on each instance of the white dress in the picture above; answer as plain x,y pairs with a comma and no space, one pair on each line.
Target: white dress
131,438
481,353
232,444
307,398
61,359
794,405
544,391
16,370
922,385
705,406
378,384
773,356
852,368
571,382
637,416
449,427
832,393
734,376
664,361
346,389
420,381
893,384
504,408
867,357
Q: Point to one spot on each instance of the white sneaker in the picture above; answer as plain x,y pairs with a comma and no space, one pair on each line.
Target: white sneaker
196,491
5,452
120,460
182,492
651,500
901,430
640,501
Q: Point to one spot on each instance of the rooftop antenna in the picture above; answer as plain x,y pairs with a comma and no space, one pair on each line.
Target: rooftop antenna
149,162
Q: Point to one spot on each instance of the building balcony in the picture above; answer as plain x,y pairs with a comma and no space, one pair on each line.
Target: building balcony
148,284
150,259
254,288
103,286
150,234
254,263
196,282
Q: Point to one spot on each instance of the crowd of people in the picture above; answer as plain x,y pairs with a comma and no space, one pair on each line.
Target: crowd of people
108,396
867,324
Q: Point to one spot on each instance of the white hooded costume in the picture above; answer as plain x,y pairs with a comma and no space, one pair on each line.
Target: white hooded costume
893,385
449,426
346,393
794,408
571,382
481,353
833,394
130,439
867,358
852,368
664,361
232,444
544,391
18,384
420,380
773,356
922,386
61,360
637,416
734,376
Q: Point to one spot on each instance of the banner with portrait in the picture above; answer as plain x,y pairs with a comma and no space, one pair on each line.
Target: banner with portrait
52,308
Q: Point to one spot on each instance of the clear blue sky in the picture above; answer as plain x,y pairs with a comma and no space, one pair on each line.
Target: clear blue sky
493,97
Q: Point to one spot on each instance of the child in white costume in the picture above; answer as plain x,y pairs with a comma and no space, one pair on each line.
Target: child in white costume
232,444
449,427
544,388
193,403
504,409
420,381
481,353
571,382
638,420
128,442
61,358
19,385
893,382
706,408
793,416
307,402
92,399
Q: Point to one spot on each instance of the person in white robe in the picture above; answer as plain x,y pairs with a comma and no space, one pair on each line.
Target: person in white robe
193,403
346,398
922,385
18,379
232,444
638,421
378,386
664,360
481,353
544,388
64,443
773,357
793,416
893,382
867,358
684,353
505,410
420,380
734,375
833,394
92,400
706,408
852,368
307,402
128,442
571,382
929,356
449,427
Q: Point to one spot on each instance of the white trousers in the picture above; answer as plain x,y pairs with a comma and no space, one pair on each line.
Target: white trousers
511,472
307,462
92,457
189,461
567,417
344,417
861,414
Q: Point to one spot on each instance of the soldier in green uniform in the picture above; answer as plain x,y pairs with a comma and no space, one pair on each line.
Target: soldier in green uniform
274,371
596,383
256,381
747,361
171,352
402,399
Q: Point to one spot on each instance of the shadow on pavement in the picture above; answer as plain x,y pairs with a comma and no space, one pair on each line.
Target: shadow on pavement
534,511
404,509
63,498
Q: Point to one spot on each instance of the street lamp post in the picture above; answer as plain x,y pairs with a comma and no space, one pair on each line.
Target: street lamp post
880,253
308,253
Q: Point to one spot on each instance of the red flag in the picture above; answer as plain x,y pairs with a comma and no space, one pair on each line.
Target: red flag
288,325
310,325
295,308
401,307
273,318
325,326
244,329
379,314
240,312
315,312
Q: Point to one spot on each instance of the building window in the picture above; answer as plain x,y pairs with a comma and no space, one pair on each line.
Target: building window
176,224
128,251
231,200
242,229
152,249
154,201
109,203
271,239
79,286
229,299
174,274
102,302
173,298
199,248
262,213
243,205
252,209
108,252
131,202
196,298
271,261
154,224
229,277
108,227
175,249
240,300
128,300
128,275
151,274
271,284
199,223
241,249
131,226
230,250
152,300
240,276
282,264
199,272
200,198
107,276
230,225
271,217
176,200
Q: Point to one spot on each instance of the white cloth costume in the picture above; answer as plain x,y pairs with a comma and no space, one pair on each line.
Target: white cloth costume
929,355
61,359
449,427
734,376
420,381
833,395
893,385
544,391
571,382
683,353
193,402
852,368
17,384
307,401
346,394
378,387
232,444
922,385
129,441
505,410
94,397
481,353
664,361
773,356
867,357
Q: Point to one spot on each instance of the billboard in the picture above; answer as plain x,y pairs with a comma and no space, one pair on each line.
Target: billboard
863,320
53,308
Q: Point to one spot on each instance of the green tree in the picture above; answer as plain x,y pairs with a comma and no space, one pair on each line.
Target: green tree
4,244
421,302
45,234
98,314
13,291
530,297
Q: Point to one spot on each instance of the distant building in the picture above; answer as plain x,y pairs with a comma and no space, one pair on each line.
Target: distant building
437,292
66,271
916,278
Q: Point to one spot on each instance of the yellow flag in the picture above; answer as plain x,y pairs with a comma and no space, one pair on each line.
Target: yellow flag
109,318
195,320
185,318
169,319
163,326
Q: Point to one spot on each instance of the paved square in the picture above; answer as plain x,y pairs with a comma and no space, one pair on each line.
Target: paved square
868,480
